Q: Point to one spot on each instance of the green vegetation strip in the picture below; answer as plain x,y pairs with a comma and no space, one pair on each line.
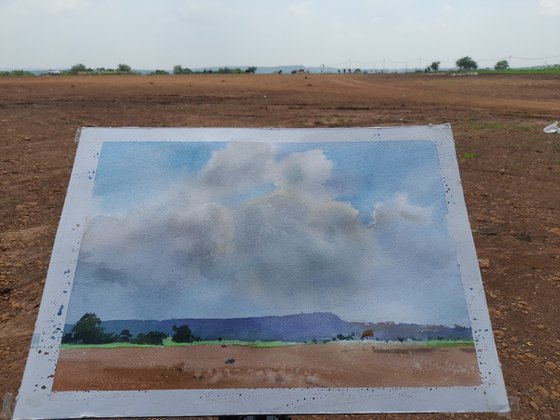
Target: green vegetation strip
448,343
554,70
263,344
170,343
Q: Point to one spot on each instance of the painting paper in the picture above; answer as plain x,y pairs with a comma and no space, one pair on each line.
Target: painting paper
232,271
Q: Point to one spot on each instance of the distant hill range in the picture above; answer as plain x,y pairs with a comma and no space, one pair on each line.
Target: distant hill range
293,328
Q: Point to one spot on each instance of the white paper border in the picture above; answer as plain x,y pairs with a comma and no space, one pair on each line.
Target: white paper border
35,399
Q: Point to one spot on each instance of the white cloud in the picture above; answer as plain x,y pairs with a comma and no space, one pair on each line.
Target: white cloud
207,9
399,209
300,9
549,7
202,251
277,249
305,172
63,5
239,166
447,9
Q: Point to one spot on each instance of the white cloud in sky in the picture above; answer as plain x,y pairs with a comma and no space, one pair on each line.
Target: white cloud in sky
549,7
255,234
61,5
197,33
399,209
447,9
300,9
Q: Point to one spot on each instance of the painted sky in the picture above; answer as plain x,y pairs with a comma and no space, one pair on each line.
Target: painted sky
219,230
149,34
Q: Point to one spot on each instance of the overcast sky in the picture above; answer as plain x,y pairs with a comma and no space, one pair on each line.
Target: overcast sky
150,34
217,230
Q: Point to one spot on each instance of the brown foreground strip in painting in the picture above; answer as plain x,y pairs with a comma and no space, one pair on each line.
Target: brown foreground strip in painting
298,366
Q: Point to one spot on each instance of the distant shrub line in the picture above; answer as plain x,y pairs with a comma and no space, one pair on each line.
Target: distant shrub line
88,330
464,65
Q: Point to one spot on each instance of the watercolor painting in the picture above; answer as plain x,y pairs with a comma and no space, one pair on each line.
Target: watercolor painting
229,271
217,265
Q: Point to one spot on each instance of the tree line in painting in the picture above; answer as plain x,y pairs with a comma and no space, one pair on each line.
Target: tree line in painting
88,330
315,328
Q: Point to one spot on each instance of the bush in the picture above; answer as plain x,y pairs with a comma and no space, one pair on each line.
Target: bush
124,68
78,68
153,337
183,334
501,65
16,73
466,63
178,69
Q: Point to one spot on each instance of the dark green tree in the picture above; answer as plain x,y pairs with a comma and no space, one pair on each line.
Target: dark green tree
183,334
501,65
251,69
124,68
466,63
435,66
88,331
178,69
152,337
78,68
124,336
68,338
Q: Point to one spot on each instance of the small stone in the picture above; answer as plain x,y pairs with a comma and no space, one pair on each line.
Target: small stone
544,392
484,263
534,405
550,365
531,356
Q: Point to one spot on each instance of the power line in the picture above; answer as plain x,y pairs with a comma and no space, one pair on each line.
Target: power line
535,59
420,60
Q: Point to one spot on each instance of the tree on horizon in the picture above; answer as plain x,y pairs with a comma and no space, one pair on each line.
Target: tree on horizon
466,63
88,330
183,334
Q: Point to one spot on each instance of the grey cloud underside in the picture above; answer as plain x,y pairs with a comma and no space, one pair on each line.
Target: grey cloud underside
289,250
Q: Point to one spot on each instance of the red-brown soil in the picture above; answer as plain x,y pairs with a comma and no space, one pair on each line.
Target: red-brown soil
510,172
299,366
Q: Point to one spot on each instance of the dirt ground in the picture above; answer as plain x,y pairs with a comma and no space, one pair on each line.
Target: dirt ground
302,366
510,172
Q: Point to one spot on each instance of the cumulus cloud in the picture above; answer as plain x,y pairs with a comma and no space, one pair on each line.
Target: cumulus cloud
255,232
399,208
238,166
289,242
